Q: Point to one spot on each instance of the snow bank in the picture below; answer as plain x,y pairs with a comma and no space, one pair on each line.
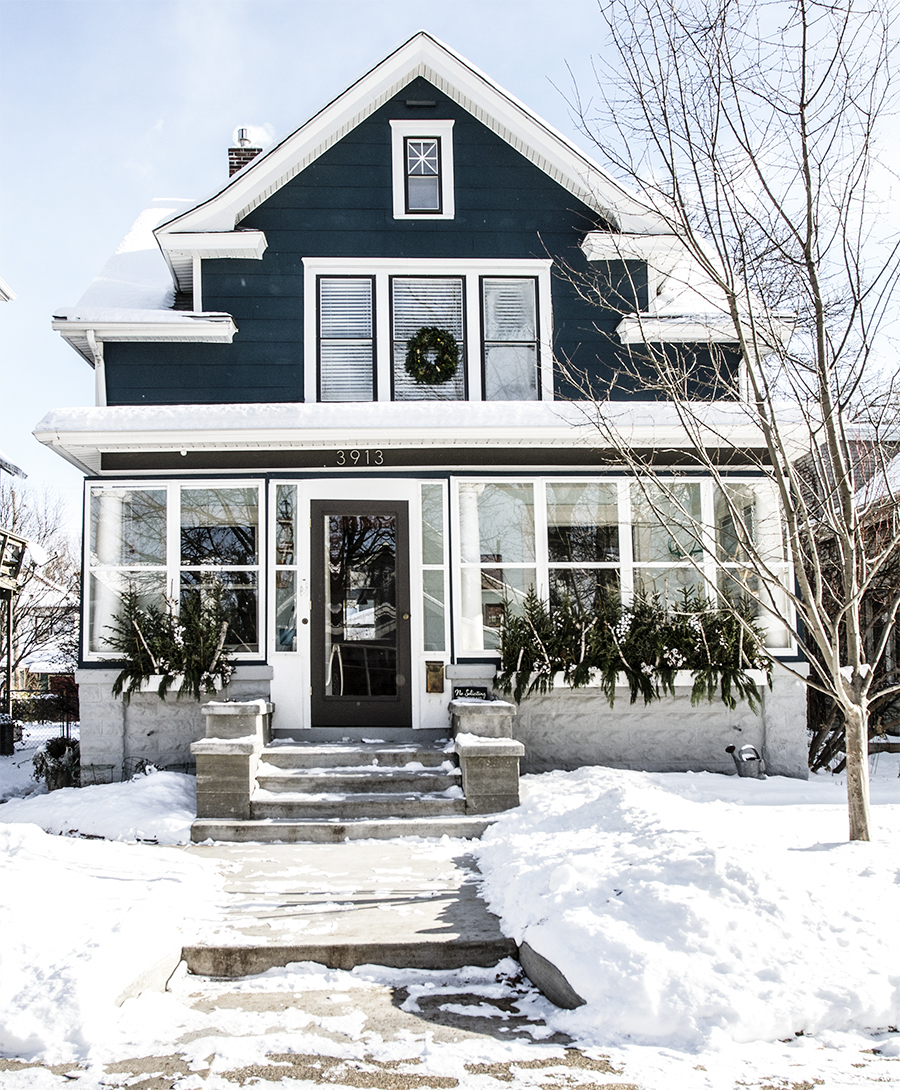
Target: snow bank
691,910
81,921
158,808
16,775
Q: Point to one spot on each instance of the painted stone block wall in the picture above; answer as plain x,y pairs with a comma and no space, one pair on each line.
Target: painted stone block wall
159,732
568,729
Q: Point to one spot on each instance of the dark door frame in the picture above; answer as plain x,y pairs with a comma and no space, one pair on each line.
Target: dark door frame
357,711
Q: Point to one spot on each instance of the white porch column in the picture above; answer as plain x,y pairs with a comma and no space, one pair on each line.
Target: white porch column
105,599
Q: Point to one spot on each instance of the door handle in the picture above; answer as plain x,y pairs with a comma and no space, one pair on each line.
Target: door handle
405,616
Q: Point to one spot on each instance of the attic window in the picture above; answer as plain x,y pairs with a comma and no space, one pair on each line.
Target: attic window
422,174
422,164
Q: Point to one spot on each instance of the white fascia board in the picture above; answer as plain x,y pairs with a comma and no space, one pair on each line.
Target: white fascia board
687,330
180,248
424,56
6,293
81,435
209,328
612,246
701,329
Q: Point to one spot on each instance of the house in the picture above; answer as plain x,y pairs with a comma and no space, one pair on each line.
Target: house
256,424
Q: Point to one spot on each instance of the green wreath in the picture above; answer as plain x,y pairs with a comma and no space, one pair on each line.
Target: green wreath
432,356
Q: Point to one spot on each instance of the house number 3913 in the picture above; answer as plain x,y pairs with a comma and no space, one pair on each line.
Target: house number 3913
360,457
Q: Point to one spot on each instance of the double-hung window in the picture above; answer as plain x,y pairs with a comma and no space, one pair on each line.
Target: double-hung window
422,174
510,339
361,316
346,338
421,302
422,167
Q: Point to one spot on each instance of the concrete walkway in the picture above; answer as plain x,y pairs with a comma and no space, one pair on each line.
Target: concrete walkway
400,903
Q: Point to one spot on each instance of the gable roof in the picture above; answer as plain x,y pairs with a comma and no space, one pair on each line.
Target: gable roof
462,82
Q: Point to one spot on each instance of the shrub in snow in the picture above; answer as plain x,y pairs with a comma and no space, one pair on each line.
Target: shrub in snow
184,646
58,763
647,642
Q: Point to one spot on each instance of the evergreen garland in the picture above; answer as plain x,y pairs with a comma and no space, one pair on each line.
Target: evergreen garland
647,643
432,356
158,642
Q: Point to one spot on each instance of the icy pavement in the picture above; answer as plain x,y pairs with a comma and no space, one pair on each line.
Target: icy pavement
477,1029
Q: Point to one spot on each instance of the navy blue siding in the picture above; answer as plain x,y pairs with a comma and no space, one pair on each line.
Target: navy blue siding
341,206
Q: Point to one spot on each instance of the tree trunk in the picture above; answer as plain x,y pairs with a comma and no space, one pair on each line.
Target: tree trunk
856,746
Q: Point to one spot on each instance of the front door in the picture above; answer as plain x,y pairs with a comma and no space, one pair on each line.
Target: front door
360,614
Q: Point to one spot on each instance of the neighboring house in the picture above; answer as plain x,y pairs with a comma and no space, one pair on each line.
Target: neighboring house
256,424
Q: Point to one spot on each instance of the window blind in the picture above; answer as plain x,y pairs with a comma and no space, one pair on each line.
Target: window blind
426,301
346,341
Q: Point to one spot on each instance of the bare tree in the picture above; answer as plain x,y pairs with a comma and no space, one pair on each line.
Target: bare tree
754,131
45,609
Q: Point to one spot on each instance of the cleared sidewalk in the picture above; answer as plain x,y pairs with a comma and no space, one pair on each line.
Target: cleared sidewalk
402,903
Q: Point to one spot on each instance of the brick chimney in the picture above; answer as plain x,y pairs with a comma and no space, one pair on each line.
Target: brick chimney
241,155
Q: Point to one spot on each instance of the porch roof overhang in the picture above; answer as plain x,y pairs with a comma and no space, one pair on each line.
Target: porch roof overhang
195,439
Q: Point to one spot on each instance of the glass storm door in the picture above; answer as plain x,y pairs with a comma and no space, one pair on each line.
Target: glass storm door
360,614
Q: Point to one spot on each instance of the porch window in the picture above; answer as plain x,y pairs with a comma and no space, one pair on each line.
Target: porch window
584,540
582,543
127,552
433,570
748,512
666,542
170,542
219,545
497,545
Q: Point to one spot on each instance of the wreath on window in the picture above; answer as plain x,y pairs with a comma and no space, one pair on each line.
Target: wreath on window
432,356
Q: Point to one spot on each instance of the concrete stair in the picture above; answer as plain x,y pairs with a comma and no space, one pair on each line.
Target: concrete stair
323,791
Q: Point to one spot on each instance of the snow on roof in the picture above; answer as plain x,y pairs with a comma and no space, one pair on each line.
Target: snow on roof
135,285
408,414
883,485
11,467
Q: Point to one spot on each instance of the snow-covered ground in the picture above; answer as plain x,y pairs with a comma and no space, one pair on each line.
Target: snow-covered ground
721,930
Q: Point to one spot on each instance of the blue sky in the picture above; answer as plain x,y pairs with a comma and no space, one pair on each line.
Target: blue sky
107,104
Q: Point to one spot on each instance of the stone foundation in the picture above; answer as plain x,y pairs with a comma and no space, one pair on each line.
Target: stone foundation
567,729
160,732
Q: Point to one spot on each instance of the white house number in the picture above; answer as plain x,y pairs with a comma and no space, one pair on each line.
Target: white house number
360,457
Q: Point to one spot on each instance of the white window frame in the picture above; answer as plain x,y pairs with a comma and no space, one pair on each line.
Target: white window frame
472,272
424,129
625,565
173,566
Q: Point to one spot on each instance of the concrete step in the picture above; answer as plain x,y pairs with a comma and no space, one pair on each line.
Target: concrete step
338,735
288,831
359,754
406,904
247,960
297,805
356,780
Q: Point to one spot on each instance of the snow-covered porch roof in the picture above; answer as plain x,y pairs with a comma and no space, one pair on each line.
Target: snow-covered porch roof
196,438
